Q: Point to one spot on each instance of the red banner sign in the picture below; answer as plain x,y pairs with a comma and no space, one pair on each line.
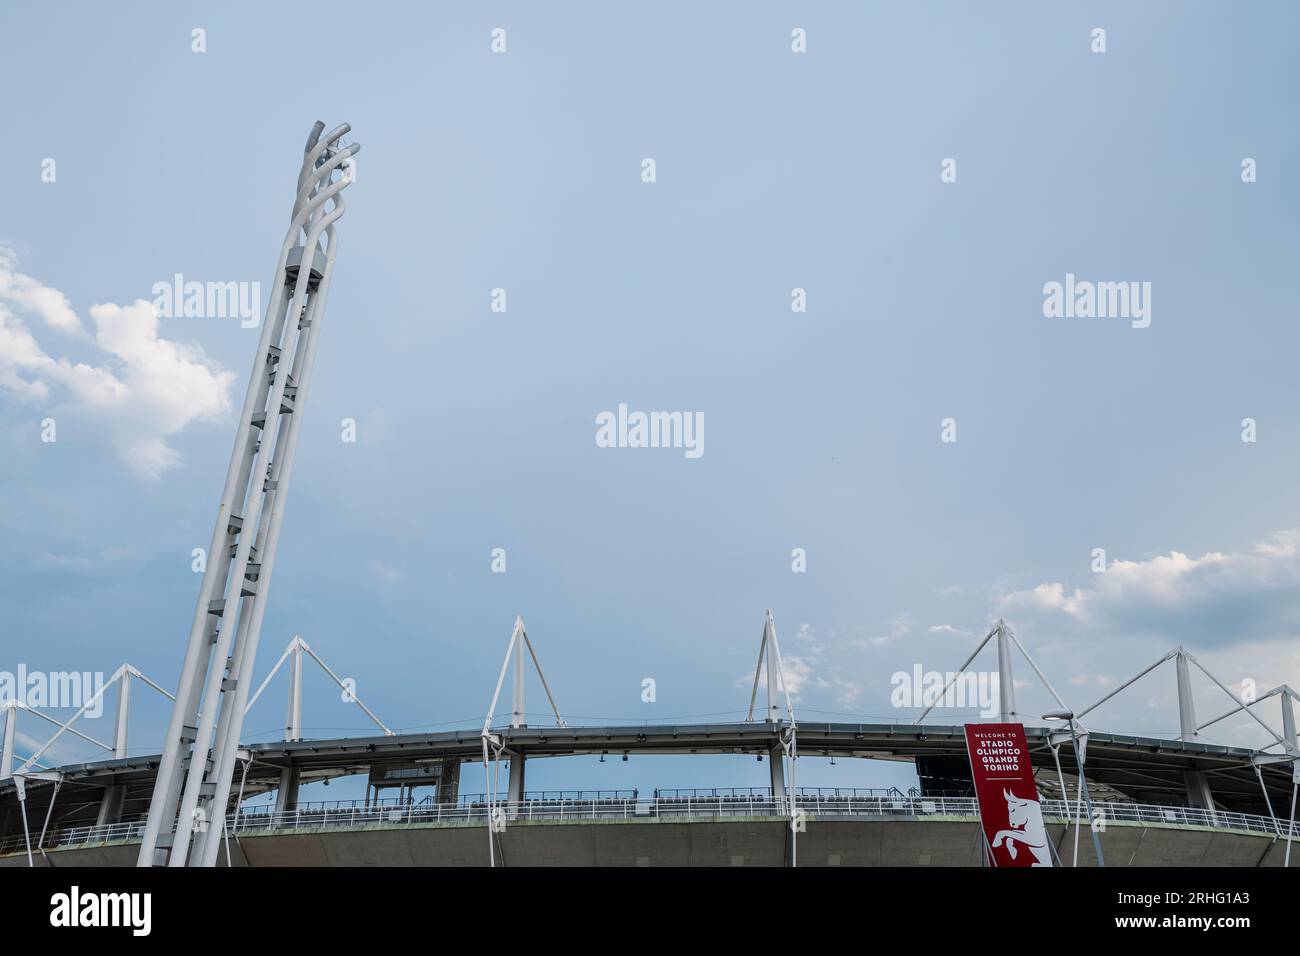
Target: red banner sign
1004,782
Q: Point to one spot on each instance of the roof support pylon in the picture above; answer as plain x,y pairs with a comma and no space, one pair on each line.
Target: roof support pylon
1006,680
123,674
787,749
1007,639
1186,709
123,717
1287,697
294,652
1199,793
494,745
1186,705
517,698
515,650
769,656
293,712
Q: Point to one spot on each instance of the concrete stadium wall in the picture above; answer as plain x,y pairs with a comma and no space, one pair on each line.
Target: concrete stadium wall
737,842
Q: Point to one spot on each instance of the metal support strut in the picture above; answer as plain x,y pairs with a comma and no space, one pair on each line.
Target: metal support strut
494,745
787,749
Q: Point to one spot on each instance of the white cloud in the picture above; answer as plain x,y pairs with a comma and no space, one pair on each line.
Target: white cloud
1209,601
28,294
798,672
1238,612
1046,597
806,669
953,631
900,626
142,389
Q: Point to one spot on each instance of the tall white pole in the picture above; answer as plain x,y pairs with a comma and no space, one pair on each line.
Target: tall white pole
773,711
293,718
123,715
1288,716
1186,703
1006,680
517,697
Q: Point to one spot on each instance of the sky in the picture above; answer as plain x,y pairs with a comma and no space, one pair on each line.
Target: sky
922,172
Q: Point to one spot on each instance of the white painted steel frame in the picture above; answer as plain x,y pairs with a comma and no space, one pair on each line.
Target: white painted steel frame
493,747
197,764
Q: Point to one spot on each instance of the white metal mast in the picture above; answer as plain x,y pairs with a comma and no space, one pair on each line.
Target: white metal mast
188,809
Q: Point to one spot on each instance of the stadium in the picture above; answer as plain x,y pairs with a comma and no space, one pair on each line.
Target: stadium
1145,801
1159,802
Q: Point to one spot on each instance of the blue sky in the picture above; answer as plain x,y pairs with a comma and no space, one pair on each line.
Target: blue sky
774,171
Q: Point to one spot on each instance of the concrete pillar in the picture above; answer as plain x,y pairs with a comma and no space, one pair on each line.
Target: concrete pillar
449,782
1198,790
776,768
110,807
1006,680
515,787
286,797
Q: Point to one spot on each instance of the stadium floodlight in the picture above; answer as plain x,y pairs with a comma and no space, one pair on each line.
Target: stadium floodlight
188,811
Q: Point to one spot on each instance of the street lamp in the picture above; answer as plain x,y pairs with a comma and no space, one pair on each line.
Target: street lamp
1053,741
1068,715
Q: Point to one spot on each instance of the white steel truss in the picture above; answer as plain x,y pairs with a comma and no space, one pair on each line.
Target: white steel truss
110,807
772,666
1198,787
198,758
122,677
1007,640
293,653
1287,698
287,793
1187,727
494,746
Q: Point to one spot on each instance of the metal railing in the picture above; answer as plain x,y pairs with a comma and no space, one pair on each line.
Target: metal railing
668,805
391,803
378,804
698,793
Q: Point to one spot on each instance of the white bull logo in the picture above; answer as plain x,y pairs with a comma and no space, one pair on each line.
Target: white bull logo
1025,818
